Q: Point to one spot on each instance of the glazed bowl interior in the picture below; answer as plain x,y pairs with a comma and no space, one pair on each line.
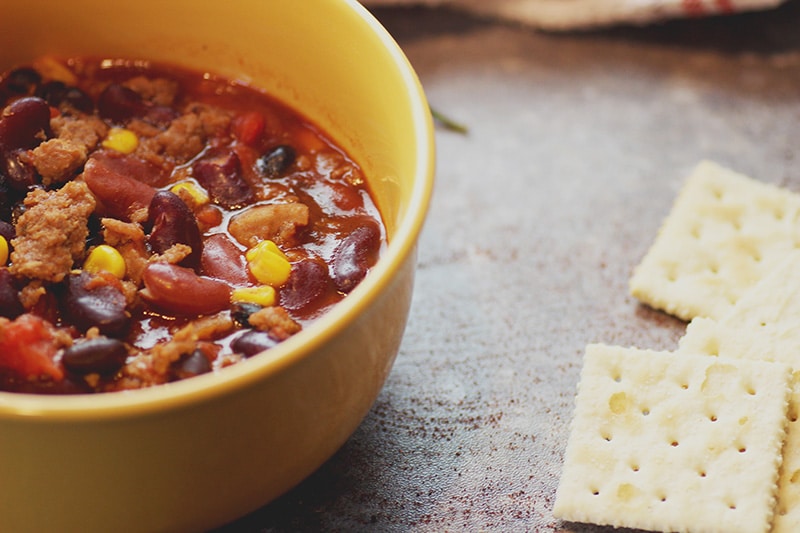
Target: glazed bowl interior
334,63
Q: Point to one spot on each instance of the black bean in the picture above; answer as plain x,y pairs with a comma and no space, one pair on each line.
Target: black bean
10,306
16,173
253,342
21,81
241,311
222,178
354,256
102,306
52,92
172,222
100,355
274,163
24,122
119,103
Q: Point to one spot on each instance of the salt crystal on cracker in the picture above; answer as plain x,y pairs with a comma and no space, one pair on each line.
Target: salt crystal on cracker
723,234
674,442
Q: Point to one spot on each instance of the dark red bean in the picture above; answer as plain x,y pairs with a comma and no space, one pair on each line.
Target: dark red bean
274,163
172,222
101,305
10,306
23,122
52,92
20,81
180,291
307,286
253,342
222,177
148,172
119,103
223,260
7,231
100,355
355,255
160,115
191,365
19,175
118,193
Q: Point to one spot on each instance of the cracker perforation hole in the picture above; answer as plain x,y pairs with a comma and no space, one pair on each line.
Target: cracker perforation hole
645,411
702,473
674,443
595,492
635,467
713,418
742,449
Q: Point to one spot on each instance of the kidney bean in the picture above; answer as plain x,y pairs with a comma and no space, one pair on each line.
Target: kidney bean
100,355
14,172
172,222
222,177
118,193
308,283
10,306
274,163
221,259
119,103
156,175
354,256
180,291
191,365
87,304
21,81
7,231
253,342
22,123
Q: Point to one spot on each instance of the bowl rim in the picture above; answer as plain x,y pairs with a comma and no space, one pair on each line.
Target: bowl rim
204,388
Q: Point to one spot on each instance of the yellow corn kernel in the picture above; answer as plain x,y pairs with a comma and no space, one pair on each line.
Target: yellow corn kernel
268,264
187,189
121,140
263,295
3,250
105,258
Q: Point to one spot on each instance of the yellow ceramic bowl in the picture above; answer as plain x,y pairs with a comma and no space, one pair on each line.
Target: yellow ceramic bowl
199,453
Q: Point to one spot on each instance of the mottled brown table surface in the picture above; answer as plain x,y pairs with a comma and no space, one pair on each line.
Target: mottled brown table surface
576,148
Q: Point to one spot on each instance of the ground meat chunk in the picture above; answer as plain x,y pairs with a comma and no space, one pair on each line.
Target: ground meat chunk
56,160
275,321
51,233
159,91
186,136
276,222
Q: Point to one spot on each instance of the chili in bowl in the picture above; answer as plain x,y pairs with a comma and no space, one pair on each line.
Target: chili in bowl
207,427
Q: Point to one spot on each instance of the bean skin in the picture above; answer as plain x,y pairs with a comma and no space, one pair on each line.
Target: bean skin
118,193
274,163
172,222
179,290
222,178
10,306
86,304
22,122
253,342
100,355
221,259
357,252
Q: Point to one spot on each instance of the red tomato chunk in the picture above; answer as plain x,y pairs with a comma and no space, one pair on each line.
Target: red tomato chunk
158,223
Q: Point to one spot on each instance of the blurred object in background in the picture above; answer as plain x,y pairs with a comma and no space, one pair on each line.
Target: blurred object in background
562,15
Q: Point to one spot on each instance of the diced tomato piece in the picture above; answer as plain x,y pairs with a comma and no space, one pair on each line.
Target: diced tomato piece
28,346
249,127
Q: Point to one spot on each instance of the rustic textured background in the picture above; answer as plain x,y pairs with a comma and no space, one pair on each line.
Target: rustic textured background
577,146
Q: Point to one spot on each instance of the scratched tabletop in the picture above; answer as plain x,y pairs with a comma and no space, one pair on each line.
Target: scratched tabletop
576,147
